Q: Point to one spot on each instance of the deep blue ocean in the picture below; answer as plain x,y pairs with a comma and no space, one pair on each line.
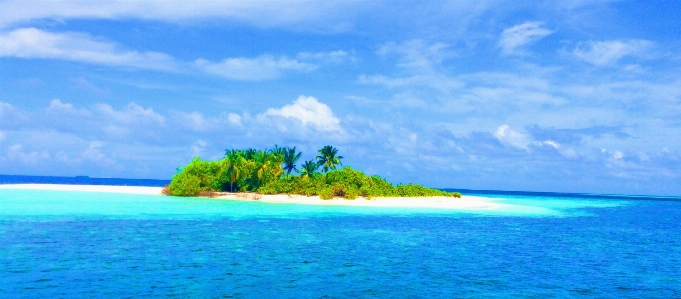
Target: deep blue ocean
60,244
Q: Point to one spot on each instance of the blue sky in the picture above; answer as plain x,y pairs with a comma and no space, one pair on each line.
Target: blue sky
569,96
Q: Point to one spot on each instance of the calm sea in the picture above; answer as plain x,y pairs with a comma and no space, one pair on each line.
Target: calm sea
59,244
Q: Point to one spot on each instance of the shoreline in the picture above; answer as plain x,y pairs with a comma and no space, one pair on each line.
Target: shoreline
465,202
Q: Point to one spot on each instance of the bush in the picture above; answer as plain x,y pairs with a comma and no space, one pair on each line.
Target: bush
412,190
344,190
326,193
185,184
198,176
346,183
277,186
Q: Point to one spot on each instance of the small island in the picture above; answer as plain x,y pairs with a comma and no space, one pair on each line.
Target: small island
275,171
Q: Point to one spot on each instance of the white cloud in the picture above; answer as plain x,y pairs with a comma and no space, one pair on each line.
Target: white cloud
131,114
253,69
10,115
93,153
234,118
16,152
310,112
193,121
36,43
416,54
5,109
272,14
421,64
550,143
608,52
57,107
389,81
511,138
565,151
520,35
333,56
31,43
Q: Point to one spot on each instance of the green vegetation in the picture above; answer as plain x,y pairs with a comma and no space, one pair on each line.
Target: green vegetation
269,172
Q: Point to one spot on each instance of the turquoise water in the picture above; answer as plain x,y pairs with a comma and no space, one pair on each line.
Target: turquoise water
57,244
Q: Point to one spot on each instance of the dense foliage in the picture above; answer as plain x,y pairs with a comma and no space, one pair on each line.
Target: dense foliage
268,172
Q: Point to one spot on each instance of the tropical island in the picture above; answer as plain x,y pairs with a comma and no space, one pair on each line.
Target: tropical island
275,171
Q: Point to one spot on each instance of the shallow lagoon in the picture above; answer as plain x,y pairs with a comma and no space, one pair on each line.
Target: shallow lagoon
78,244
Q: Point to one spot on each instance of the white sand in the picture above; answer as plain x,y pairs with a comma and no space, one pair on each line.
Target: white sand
466,202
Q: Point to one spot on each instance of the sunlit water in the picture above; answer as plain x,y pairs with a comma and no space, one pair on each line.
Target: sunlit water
56,244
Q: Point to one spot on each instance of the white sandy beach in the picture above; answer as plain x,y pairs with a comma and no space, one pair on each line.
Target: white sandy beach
466,202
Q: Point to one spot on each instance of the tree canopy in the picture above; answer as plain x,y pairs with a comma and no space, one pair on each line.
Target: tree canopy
269,172
328,158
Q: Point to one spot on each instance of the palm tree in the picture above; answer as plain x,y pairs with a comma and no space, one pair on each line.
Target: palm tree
308,169
249,154
233,161
290,159
267,163
328,158
278,150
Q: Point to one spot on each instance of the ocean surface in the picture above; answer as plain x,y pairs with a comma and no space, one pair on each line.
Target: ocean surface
80,180
61,244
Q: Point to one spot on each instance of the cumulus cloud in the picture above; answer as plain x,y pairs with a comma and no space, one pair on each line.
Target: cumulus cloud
79,47
310,112
253,69
519,35
509,137
234,119
608,52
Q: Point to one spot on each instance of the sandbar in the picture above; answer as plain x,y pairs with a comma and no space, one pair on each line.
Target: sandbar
465,202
